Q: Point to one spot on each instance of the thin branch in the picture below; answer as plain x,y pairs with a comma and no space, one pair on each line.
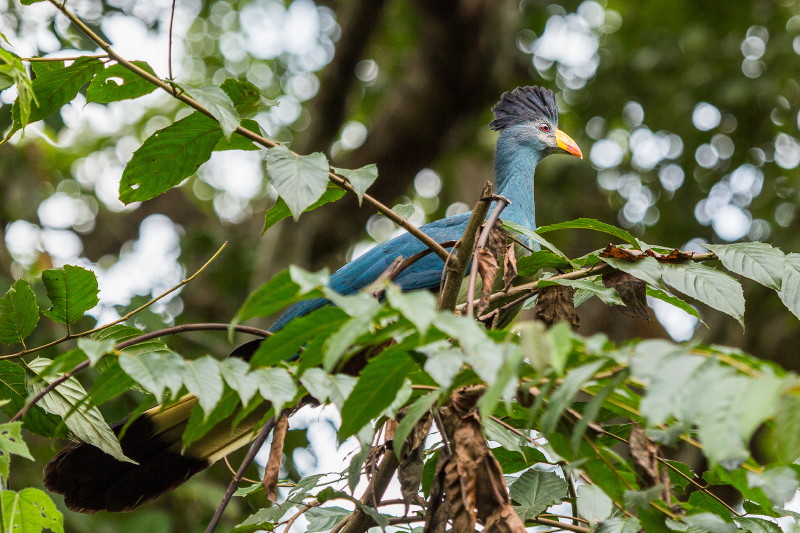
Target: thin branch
416,257
234,484
561,525
123,318
482,240
73,58
169,42
183,328
340,181
455,267
130,342
529,289
359,521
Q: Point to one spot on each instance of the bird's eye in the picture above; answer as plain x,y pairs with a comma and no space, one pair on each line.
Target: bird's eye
544,127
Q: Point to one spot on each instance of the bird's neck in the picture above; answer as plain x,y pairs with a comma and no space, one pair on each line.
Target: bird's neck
514,166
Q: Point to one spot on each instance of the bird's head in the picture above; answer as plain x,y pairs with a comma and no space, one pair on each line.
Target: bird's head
528,117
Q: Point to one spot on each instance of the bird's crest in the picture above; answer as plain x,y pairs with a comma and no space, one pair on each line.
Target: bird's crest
524,104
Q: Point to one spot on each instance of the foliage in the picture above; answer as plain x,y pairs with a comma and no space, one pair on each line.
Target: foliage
549,407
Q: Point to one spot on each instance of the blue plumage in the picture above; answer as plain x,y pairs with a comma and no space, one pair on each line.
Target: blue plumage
527,119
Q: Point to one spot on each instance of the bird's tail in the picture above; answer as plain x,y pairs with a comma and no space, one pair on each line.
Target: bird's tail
91,480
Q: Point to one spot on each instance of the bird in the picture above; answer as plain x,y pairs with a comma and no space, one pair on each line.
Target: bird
91,480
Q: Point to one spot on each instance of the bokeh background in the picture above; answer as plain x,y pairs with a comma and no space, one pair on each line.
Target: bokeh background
687,112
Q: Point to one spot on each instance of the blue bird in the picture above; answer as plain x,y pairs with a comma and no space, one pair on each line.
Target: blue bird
91,480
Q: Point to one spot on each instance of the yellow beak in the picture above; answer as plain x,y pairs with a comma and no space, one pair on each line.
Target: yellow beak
566,143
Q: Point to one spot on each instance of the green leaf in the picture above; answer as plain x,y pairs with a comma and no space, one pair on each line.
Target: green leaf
239,141
404,210
110,384
155,368
12,386
219,104
755,260
708,285
608,295
245,97
503,436
57,87
647,269
596,225
67,401
202,378
200,422
790,284
12,72
535,237
594,505
619,525
30,511
530,265
263,520
280,210
565,394
300,180
673,300
375,390
324,518
168,157
19,313
318,384
337,344
757,525
512,462
415,411
11,442
274,295
286,342
778,483
95,349
419,307
117,83
708,522
235,373
535,491
787,426
72,291
275,385
360,178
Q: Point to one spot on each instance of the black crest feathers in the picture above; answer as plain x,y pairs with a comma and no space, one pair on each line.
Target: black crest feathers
524,104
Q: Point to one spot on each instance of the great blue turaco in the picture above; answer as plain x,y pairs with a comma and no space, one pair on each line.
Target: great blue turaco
91,480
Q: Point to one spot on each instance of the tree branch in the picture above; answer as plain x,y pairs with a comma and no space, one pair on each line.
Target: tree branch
359,521
234,484
244,132
482,240
130,342
456,266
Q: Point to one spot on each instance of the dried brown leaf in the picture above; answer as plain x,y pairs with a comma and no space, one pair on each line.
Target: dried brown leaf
409,472
487,269
675,256
633,292
645,455
615,252
273,468
474,487
555,304
509,267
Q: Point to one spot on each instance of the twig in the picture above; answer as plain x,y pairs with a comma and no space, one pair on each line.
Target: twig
340,181
228,464
529,289
130,342
45,59
169,42
561,525
416,257
455,267
359,521
298,514
482,240
234,484
123,318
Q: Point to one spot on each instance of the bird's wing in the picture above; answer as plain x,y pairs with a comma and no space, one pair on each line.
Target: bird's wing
423,274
